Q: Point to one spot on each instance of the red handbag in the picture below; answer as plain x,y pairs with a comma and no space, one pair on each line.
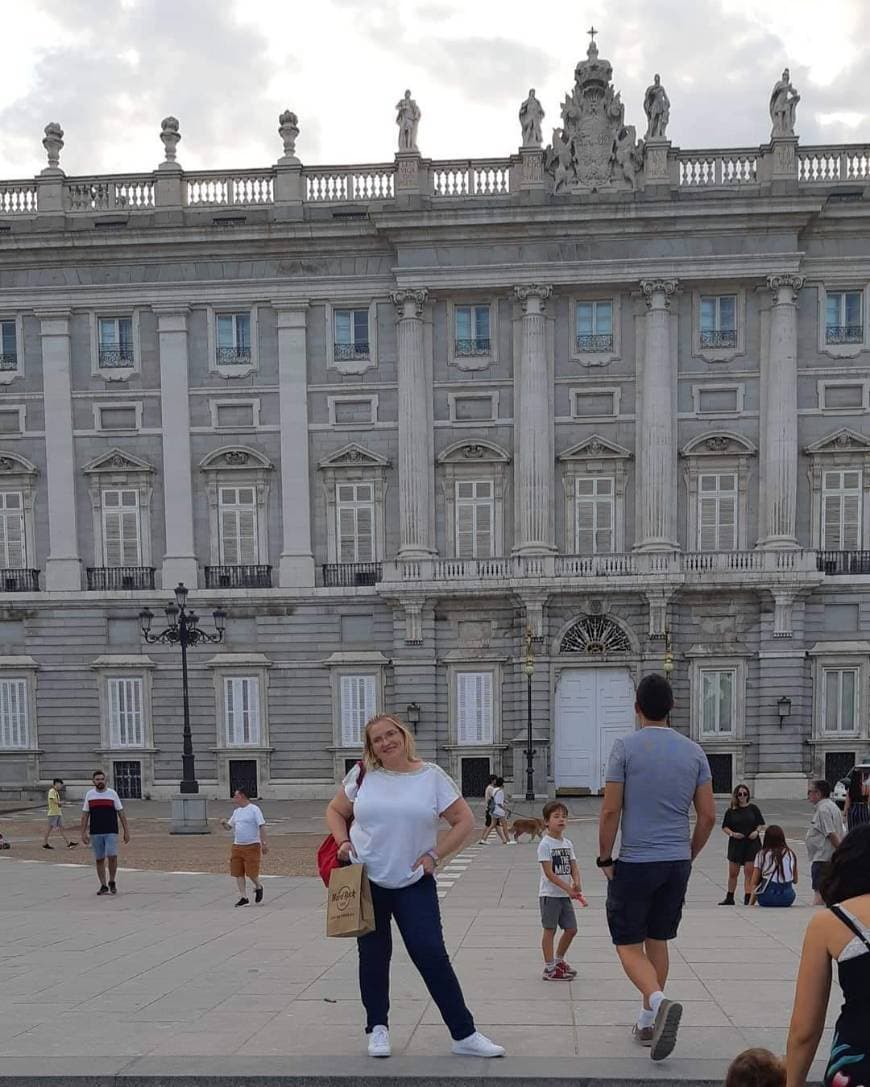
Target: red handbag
327,853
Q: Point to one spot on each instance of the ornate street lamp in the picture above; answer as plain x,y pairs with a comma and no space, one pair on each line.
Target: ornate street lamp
183,630
529,669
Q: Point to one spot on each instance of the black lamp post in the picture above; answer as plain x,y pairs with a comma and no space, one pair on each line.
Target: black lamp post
529,669
183,630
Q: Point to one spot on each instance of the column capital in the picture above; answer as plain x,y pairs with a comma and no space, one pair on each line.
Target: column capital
409,302
657,292
784,288
532,296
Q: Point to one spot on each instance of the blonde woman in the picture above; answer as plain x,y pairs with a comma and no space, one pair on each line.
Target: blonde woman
396,813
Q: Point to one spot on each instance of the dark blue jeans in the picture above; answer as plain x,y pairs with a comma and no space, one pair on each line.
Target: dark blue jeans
415,909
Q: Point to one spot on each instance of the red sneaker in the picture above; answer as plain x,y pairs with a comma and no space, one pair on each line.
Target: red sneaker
558,973
569,970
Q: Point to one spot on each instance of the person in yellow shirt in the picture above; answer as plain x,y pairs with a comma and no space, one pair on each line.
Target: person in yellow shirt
55,818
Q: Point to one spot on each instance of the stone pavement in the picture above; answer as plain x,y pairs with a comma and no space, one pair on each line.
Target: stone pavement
169,979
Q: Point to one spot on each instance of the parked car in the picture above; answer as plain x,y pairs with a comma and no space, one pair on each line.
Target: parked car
842,787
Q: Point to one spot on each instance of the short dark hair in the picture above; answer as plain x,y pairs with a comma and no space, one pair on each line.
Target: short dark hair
848,873
96,773
654,697
821,786
57,781
492,779
242,792
554,806
755,1068
499,782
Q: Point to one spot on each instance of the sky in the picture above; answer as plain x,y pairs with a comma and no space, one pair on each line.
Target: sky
109,70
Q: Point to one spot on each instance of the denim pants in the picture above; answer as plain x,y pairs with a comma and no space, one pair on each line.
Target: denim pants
777,894
415,909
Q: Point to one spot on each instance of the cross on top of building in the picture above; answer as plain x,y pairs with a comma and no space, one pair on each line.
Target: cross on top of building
592,32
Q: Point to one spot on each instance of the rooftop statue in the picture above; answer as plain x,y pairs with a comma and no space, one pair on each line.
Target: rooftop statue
531,115
657,107
783,107
407,118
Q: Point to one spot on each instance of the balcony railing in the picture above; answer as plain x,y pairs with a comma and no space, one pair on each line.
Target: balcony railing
14,580
479,346
108,579
8,360
233,356
347,352
722,337
843,562
250,576
594,341
116,357
347,575
835,334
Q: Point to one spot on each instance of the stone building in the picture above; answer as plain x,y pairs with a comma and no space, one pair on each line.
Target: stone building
392,417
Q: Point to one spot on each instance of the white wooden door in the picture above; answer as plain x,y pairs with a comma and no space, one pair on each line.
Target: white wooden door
594,706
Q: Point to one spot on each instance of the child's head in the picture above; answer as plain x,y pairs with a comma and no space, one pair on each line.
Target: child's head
555,816
755,1068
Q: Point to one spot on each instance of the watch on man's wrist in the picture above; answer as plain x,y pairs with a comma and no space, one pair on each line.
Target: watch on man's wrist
433,853
604,862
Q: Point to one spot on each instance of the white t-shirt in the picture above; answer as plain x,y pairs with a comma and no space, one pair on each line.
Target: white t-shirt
559,852
246,823
769,868
395,820
499,811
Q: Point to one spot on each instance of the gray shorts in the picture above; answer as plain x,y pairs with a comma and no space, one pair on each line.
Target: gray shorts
558,913
55,820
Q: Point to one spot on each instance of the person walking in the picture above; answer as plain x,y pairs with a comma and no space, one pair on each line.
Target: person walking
840,934
55,817
101,810
249,846
824,834
487,808
775,870
857,811
389,823
654,776
742,824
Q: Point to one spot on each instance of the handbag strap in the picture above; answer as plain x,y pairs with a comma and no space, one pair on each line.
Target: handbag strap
850,923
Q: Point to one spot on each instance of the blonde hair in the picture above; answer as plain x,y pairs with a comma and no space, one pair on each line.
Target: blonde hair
370,759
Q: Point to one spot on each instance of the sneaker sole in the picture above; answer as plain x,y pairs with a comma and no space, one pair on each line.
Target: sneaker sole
378,1055
665,1034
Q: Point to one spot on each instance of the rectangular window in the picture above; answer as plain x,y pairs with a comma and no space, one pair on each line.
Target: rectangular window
116,341
233,339
121,534
357,703
355,513
14,730
351,334
242,710
471,330
841,702
718,711
237,517
8,346
842,499
594,325
844,321
474,708
126,716
474,519
719,320
12,547
717,512
595,514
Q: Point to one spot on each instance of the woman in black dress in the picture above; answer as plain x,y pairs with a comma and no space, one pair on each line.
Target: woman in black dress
838,934
742,824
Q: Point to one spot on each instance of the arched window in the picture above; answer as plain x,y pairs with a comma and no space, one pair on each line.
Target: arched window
595,635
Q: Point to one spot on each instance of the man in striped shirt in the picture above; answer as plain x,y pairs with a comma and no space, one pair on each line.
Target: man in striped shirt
101,810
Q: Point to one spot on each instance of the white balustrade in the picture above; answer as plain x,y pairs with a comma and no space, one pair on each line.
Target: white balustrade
221,190
471,178
832,165
18,198
88,194
707,169
340,185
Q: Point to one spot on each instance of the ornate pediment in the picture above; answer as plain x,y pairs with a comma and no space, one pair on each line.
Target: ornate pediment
841,441
14,464
474,451
117,460
596,448
354,456
721,444
238,457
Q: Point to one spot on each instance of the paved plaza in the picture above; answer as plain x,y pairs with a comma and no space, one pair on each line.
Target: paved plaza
168,978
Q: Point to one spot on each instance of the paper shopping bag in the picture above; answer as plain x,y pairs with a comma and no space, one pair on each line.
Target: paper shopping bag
349,909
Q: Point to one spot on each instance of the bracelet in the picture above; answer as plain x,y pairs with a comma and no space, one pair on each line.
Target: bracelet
433,853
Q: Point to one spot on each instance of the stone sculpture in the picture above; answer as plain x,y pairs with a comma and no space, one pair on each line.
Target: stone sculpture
288,130
629,153
170,135
407,118
657,107
531,115
783,107
53,144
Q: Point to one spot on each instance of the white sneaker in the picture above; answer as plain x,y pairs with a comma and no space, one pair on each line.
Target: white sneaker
379,1042
477,1045
511,841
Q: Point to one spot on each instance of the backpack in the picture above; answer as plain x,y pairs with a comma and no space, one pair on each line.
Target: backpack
327,852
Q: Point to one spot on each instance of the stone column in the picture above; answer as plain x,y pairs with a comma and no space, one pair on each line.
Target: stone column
656,434
179,559
533,412
779,438
63,565
297,561
416,488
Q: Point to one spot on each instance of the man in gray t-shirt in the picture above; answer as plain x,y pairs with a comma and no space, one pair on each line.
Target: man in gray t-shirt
824,834
654,777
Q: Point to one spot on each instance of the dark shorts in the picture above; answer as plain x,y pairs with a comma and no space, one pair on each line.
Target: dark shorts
743,850
645,901
817,872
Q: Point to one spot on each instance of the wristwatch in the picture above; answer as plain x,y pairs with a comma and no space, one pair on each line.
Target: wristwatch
604,862
433,853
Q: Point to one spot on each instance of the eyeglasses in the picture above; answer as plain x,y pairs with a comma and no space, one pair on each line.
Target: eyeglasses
743,794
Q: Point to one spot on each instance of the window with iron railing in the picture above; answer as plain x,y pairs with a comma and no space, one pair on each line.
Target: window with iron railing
8,346
472,332
593,326
718,320
116,342
355,514
844,320
351,338
237,518
122,545
232,339
13,549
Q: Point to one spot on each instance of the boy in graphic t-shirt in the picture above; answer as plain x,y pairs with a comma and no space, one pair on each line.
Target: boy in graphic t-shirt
560,884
